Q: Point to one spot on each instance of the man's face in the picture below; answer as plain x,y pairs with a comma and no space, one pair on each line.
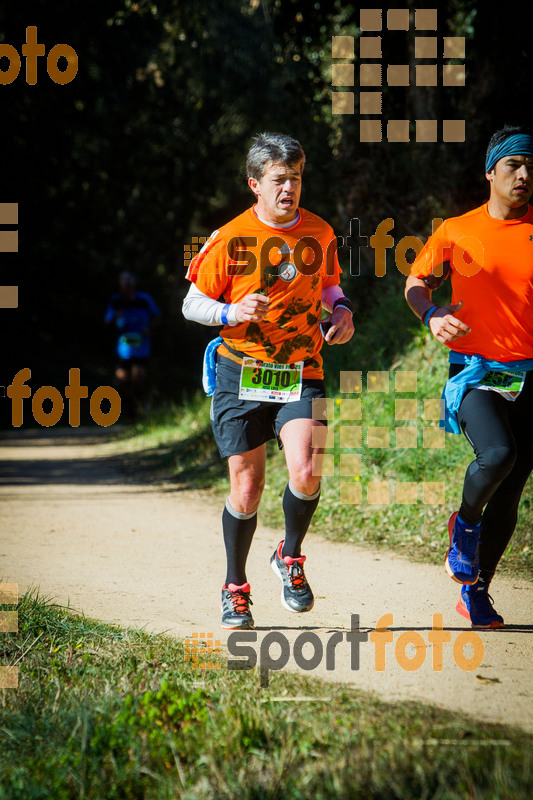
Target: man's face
511,181
126,282
278,192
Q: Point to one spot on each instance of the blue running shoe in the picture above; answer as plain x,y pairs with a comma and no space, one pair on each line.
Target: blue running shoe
477,605
462,556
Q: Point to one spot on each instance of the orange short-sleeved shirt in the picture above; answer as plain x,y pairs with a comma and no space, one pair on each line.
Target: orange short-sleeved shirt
291,265
490,263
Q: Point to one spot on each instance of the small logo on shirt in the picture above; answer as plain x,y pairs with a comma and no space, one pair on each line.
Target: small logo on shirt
287,271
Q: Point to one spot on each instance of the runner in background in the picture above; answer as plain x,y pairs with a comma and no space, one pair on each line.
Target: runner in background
133,315
265,277
488,254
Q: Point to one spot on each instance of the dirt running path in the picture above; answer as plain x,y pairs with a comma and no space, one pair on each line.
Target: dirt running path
152,556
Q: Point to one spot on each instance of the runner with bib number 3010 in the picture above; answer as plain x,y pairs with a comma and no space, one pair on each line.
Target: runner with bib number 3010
265,369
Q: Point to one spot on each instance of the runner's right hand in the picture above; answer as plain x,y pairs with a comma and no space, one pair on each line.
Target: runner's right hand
253,307
445,327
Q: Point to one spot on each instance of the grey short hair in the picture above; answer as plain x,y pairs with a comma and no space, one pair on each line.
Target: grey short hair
272,148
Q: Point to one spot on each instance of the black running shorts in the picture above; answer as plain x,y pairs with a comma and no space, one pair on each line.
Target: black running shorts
242,425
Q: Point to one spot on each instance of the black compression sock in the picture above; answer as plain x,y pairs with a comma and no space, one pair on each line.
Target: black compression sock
485,577
298,509
468,519
238,532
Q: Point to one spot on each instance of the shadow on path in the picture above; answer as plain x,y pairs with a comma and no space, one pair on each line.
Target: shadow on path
66,456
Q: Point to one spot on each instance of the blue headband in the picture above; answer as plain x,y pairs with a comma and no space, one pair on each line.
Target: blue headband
521,144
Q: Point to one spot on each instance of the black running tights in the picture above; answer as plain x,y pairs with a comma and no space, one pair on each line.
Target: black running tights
501,433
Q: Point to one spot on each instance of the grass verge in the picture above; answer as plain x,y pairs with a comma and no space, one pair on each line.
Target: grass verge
103,712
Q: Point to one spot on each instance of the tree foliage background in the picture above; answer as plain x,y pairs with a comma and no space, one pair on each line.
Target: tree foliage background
145,148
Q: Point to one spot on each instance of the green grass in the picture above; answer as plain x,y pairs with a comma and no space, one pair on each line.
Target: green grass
102,712
178,443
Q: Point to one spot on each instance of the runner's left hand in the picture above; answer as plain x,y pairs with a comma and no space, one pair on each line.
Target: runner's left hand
342,328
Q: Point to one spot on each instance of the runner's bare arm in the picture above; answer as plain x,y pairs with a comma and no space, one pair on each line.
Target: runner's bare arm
444,326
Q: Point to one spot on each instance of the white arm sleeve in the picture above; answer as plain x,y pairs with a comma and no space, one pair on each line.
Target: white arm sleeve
329,295
198,307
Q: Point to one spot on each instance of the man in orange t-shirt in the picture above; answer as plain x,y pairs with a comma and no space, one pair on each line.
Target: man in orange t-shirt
265,277
488,254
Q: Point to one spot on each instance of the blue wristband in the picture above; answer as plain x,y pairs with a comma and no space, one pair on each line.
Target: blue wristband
224,315
427,315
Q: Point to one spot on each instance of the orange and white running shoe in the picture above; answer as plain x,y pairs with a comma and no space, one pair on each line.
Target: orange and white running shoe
296,594
235,606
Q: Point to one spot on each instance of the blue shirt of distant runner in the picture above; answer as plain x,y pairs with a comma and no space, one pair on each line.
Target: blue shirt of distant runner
132,317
